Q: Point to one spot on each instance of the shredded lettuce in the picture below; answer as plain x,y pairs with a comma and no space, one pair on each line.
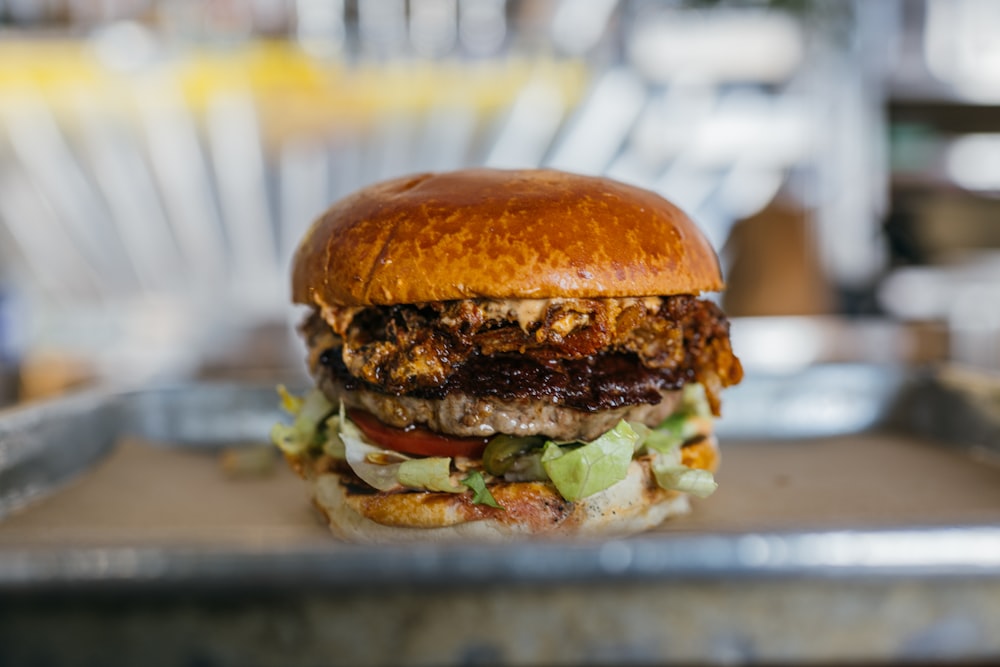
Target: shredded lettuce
578,472
307,428
378,467
290,403
333,445
675,430
577,469
432,473
480,494
695,481
692,420
694,401
388,470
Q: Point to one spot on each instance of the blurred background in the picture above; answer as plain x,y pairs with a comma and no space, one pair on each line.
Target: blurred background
159,160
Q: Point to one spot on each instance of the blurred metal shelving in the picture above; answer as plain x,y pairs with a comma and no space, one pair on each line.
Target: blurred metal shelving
159,166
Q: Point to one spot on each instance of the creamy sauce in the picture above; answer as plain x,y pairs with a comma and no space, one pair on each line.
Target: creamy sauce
524,311
529,311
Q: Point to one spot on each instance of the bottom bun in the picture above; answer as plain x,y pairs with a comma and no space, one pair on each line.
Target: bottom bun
631,506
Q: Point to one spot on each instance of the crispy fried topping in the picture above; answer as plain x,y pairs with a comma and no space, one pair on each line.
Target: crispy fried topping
589,354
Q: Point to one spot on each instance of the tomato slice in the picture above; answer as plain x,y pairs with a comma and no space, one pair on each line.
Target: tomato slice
416,439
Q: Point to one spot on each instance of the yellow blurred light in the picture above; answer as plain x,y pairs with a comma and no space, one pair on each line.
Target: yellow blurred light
303,91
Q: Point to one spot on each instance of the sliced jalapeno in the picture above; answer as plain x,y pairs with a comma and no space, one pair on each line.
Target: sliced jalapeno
503,449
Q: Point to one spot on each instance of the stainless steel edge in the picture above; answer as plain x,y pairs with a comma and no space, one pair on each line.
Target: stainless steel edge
931,552
813,402
855,398
913,593
43,446
201,414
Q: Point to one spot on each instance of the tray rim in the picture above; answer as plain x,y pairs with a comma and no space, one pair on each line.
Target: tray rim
932,551
873,555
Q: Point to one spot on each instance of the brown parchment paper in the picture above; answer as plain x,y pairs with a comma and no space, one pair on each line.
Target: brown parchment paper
146,494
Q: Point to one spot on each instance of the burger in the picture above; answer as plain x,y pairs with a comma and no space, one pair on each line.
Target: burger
500,354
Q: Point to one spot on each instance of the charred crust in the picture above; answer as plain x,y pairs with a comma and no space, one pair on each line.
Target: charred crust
329,357
618,358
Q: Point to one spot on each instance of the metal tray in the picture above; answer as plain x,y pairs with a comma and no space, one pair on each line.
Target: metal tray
804,561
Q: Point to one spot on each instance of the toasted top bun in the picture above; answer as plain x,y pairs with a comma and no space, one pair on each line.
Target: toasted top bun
484,233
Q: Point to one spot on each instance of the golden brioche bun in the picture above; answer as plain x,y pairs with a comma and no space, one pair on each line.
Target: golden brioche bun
485,233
